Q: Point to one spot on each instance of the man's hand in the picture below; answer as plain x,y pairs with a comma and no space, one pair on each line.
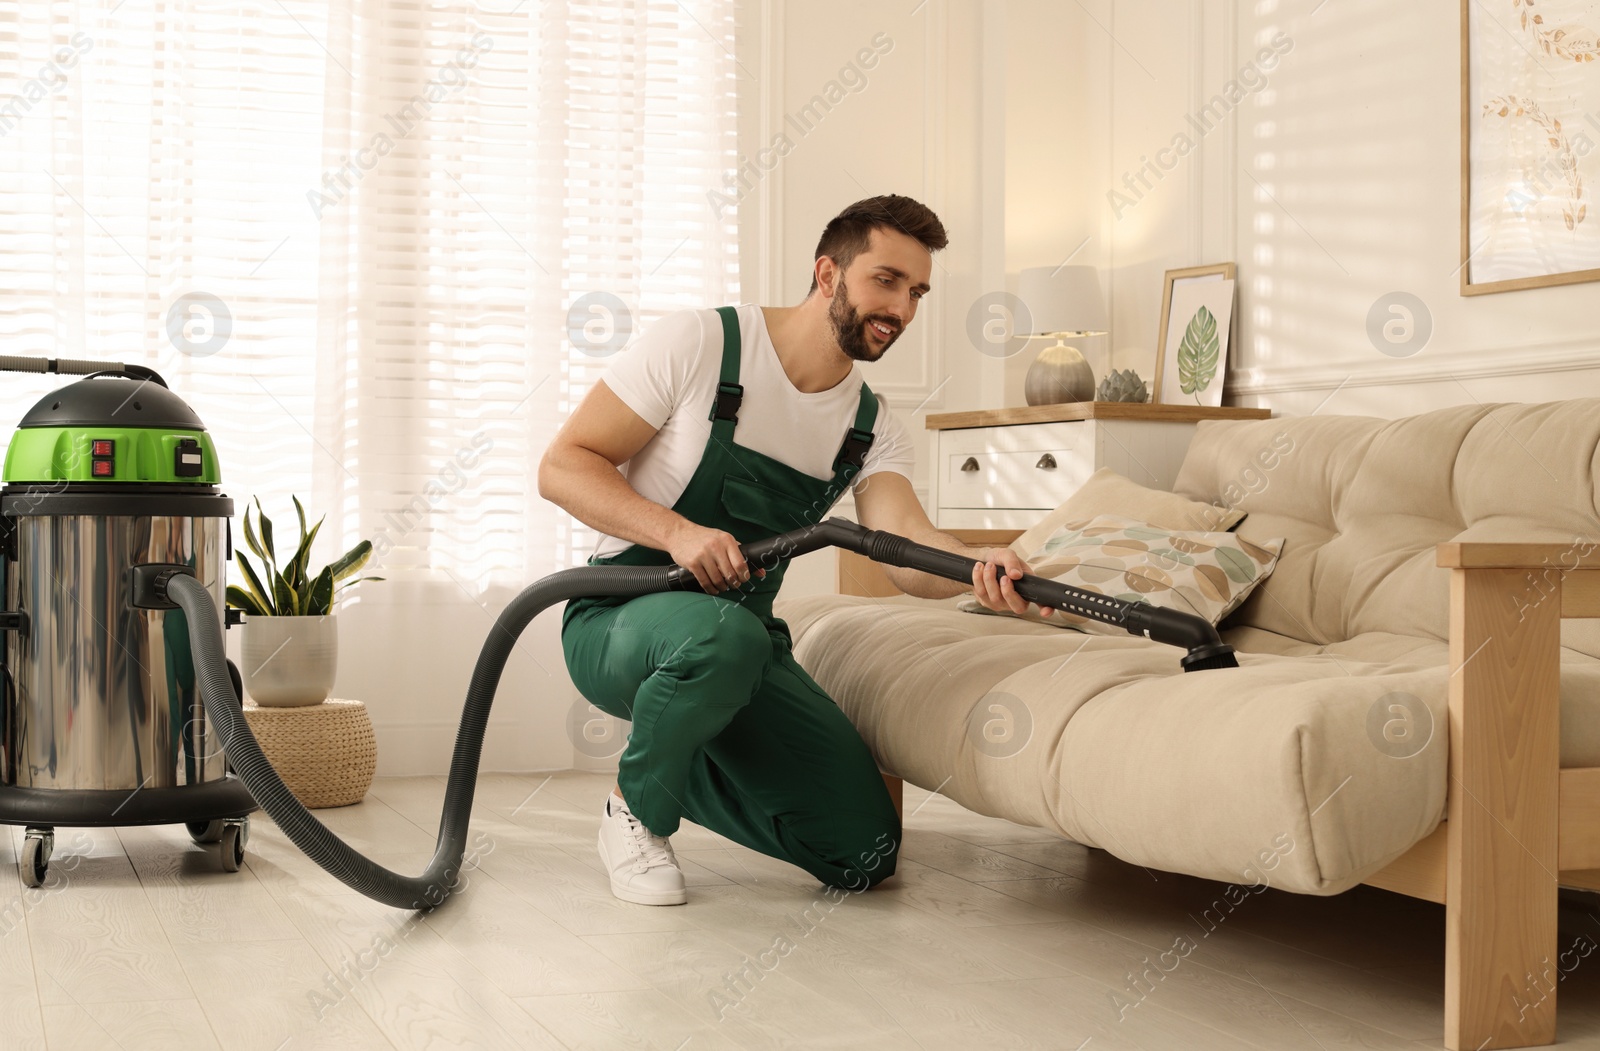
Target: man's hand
996,592
712,555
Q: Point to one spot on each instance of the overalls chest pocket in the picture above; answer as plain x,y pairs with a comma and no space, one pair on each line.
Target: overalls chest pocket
760,510
756,510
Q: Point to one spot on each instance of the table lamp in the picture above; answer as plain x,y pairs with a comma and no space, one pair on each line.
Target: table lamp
1062,301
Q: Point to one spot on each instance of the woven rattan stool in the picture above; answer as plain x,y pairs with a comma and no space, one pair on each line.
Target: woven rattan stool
326,753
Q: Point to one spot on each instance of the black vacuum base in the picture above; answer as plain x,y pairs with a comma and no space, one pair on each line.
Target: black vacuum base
100,808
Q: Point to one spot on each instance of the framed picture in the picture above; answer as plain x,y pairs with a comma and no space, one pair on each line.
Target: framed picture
1530,127
1192,342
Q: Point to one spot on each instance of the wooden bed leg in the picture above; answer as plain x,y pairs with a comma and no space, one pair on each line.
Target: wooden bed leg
897,792
1500,899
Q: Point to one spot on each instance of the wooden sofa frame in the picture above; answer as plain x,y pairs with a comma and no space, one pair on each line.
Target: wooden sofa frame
1517,826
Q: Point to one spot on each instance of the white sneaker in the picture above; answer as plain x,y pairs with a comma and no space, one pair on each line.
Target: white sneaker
642,866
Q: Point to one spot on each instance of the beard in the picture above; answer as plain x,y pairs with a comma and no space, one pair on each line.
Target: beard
850,328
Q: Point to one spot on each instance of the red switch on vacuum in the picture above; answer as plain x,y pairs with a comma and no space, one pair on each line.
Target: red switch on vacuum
103,453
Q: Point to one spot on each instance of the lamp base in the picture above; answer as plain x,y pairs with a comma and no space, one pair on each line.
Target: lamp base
1059,374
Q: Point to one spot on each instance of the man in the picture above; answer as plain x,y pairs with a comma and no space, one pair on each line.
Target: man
715,429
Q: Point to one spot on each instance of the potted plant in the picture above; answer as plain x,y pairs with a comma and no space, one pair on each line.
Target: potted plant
291,642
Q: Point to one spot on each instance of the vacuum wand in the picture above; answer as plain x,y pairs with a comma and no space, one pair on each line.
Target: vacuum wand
1205,647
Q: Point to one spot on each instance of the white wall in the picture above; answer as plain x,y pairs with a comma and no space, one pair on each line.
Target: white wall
923,122
1334,184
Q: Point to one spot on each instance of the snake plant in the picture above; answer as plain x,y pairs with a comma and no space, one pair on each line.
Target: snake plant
292,590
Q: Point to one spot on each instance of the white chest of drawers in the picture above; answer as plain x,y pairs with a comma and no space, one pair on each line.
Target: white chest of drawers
1002,469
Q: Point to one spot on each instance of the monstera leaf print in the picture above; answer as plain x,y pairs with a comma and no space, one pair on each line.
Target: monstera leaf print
1197,354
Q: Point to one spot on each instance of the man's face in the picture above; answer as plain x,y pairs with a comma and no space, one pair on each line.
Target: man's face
877,297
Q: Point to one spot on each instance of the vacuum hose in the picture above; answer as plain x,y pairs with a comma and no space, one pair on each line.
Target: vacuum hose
441,877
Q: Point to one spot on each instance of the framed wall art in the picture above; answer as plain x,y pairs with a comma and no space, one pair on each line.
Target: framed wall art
1530,144
1192,342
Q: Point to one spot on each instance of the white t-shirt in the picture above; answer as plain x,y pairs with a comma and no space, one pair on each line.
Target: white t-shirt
669,377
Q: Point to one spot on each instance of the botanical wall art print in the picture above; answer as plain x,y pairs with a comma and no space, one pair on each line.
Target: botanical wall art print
1530,134
1192,353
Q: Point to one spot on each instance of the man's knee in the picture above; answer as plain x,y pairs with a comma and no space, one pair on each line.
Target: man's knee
734,645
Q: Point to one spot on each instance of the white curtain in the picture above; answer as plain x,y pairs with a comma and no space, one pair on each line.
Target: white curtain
383,248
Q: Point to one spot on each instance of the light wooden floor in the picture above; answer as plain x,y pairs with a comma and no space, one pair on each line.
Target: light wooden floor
990,936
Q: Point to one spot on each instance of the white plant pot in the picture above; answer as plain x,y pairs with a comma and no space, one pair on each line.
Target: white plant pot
289,662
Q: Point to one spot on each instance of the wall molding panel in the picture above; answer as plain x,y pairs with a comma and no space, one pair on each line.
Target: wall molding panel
1579,355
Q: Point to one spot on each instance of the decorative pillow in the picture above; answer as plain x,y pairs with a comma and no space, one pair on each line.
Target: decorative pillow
1196,571
1109,493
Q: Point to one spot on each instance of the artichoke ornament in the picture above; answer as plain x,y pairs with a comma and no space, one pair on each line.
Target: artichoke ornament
1123,385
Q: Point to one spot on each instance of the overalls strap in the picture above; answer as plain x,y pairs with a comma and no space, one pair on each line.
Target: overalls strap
730,392
853,453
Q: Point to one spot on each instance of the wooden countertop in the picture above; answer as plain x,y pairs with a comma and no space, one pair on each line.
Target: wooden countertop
1089,410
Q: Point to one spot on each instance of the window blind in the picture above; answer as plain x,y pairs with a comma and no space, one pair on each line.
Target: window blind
383,249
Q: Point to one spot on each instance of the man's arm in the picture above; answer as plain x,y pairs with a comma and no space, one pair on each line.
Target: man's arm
886,501
579,473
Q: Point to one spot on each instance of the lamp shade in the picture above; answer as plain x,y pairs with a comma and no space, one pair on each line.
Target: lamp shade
1063,300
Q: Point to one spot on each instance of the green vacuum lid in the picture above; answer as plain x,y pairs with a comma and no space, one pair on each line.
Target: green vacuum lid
111,430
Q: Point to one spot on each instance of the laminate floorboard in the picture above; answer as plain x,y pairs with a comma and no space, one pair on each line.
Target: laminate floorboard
990,935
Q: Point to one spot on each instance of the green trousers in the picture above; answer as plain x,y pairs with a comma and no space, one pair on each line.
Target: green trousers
730,732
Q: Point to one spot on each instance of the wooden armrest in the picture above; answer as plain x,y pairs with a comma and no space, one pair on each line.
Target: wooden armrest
1504,793
1571,571
1580,554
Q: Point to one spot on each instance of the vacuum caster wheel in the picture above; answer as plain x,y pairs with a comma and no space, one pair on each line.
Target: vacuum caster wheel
37,847
232,840
203,832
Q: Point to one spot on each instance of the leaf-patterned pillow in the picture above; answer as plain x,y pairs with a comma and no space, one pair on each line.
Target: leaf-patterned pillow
1205,573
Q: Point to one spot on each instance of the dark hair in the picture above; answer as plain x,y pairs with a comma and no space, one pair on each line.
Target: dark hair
849,233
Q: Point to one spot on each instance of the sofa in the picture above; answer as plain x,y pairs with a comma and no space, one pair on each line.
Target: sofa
1417,704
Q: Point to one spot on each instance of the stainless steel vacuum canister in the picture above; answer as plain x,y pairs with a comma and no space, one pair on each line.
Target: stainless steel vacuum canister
103,476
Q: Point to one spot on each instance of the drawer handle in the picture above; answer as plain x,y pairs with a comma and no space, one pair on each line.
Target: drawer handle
971,464
1046,462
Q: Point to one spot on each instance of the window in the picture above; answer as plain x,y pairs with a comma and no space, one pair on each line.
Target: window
382,256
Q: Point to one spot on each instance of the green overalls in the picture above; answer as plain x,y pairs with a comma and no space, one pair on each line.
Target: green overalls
728,730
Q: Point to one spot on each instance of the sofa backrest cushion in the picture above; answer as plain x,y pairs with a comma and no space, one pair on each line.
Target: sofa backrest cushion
1364,502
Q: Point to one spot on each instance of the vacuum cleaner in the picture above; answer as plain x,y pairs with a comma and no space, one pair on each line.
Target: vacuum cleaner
118,705
102,721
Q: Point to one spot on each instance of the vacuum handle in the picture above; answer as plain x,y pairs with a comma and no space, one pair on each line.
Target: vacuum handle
769,552
78,367
65,366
